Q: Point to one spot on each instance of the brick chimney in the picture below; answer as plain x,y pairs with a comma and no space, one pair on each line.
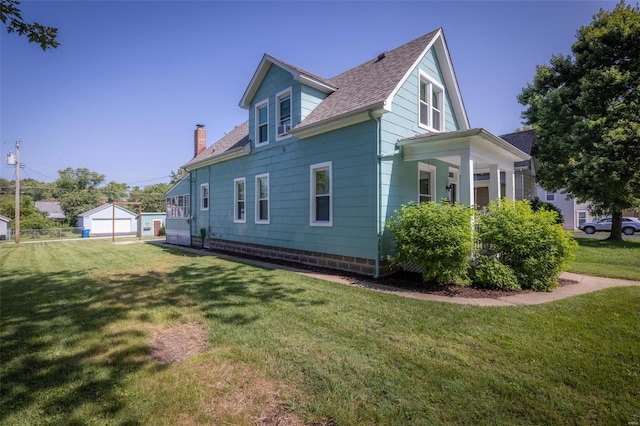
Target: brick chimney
199,140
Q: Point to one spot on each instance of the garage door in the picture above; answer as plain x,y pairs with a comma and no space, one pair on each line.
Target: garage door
105,226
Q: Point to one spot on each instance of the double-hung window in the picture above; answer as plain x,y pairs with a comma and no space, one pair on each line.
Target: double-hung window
431,104
262,198
204,196
239,200
426,182
262,123
283,113
321,195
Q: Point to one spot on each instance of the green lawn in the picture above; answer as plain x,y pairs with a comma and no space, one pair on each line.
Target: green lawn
76,319
601,258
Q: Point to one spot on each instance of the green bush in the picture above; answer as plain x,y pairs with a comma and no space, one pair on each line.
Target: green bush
538,204
489,272
531,243
435,237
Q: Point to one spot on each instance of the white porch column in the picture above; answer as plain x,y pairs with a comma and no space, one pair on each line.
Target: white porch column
494,182
510,184
466,180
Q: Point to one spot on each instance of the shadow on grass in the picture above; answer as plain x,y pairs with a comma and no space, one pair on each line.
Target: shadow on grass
65,354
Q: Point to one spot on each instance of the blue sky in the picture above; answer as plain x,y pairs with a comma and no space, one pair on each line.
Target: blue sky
124,91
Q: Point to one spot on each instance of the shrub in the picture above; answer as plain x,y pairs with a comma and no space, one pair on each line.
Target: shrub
435,237
538,204
489,272
531,243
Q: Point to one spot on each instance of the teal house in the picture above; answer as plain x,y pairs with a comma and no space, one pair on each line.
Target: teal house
320,163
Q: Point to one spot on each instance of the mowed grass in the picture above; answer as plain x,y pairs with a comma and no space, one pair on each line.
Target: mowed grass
606,259
76,319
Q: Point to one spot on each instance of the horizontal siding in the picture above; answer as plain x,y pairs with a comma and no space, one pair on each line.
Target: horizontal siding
309,99
352,153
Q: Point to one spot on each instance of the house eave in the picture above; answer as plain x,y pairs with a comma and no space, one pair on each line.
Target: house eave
229,155
334,123
261,72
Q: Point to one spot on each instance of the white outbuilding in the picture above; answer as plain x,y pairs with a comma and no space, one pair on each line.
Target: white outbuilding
106,218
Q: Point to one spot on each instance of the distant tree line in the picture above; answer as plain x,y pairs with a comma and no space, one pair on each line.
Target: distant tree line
77,190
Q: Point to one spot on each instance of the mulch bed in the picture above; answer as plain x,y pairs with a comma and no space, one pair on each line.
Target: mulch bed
403,281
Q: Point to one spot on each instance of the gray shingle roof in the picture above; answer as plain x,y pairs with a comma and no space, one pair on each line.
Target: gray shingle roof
370,83
524,141
236,138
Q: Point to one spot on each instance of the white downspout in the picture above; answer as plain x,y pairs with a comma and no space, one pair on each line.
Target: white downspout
378,194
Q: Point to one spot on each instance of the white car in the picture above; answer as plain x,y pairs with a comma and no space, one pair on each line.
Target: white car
629,225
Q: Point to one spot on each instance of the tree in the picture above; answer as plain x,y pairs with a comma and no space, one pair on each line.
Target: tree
77,191
30,217
114,191
152,197
177,176
586,109
46,37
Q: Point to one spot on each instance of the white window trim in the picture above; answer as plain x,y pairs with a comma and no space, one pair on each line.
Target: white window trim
256,118
312,193
279,95
202,186
425,77
257,199
432,185
235,200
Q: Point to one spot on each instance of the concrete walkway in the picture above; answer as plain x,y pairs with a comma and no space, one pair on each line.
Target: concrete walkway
584,284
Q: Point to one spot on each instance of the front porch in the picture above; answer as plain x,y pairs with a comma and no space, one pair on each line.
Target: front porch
475,152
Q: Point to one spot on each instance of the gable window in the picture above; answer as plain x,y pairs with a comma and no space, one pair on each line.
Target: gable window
239,200
262,198
321,195
431,104
426,182
204,196
283,113
262,123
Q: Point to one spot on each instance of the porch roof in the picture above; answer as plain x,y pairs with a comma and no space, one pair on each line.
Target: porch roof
483,146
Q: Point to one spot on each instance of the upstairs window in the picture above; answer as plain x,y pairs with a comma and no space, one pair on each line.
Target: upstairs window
262,123
262,198
283,113
431,104
204,196
321,195
239,215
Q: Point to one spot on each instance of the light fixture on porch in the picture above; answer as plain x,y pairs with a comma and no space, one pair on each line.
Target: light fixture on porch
449,187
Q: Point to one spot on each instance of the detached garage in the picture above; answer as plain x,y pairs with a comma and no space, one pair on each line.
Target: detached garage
100,221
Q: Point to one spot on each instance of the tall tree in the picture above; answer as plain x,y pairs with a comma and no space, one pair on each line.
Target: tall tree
46,37
152,197
77,191
586,109
114,191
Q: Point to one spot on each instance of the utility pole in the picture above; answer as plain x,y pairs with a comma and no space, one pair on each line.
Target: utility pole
17,239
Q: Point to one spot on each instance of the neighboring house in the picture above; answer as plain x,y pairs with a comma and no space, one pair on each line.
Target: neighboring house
322,163
152,223
574,214
100,221
52,209
5,230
